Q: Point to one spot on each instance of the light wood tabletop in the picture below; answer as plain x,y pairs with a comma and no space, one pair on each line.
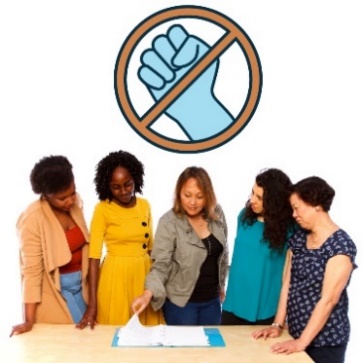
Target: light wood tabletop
64,343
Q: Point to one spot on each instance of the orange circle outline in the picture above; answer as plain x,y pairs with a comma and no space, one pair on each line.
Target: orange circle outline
235,33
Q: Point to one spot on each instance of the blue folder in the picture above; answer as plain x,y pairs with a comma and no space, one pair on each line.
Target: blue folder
214,336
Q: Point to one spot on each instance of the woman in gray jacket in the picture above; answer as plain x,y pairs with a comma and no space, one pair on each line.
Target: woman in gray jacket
190,256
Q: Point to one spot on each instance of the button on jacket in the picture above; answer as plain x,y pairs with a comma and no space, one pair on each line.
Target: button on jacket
178,254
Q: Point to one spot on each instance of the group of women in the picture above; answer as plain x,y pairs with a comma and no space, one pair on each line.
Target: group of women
290,267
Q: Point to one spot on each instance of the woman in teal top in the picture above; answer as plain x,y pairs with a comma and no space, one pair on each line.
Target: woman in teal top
258,259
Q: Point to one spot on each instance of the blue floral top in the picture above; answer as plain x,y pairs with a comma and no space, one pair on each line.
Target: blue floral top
307,275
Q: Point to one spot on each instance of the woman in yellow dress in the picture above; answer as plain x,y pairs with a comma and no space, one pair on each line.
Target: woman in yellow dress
121,222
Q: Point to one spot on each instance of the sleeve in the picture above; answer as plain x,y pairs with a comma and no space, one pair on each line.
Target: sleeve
239,219
150,222
344,245
97,232
162,256
31,259
291,241
225,256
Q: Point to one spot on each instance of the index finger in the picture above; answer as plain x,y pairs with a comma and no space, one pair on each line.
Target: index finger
93,323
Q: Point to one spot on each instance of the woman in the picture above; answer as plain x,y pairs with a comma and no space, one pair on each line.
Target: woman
190,256
314,292
53,248
122,221
255,276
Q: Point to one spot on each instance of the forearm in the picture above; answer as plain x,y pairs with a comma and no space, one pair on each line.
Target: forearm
94,267
29,312
317,321
280,316
336,277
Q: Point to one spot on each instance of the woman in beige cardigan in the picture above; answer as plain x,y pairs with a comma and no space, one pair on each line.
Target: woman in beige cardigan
53,248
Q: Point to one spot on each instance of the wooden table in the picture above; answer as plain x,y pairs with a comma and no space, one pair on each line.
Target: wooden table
48,343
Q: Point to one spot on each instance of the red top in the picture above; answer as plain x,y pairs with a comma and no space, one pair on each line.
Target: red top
76,241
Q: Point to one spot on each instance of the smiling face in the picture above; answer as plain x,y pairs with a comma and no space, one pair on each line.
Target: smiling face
303,213
256,199
122,187
64,200
192,198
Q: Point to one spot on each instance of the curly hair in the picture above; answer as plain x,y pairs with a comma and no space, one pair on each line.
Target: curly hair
106,167
204,183
277,211
314,191
51,174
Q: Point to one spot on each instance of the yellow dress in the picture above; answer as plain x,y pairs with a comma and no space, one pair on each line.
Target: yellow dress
128,237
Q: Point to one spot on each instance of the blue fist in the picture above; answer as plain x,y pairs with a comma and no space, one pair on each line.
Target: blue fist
196,110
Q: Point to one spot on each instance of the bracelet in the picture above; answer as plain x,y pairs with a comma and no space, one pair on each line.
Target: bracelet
277,325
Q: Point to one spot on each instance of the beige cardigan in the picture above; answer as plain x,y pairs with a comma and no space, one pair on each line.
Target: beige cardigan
43,249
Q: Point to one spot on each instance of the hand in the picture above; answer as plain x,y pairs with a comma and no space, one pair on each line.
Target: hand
141,302
270,332
88,319
288,347
222,296
21,328
197,111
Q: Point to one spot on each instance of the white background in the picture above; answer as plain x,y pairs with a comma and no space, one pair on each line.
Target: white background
57,96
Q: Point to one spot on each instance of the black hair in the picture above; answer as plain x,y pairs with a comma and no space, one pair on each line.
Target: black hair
106,167
51,174
277,211
314,191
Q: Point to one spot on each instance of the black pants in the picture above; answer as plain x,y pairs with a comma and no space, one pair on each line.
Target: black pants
231,319
334,354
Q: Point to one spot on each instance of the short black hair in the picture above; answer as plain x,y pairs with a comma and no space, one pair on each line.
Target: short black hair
51,174
314,191
106,167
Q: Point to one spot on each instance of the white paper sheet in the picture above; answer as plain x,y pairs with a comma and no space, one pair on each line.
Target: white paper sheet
135,334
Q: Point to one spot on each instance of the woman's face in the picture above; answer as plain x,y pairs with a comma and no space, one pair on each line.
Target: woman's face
122,187
192,198
256,199
303,213
62,201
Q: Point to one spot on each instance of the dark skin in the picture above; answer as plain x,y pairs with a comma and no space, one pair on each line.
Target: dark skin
122,187
61,203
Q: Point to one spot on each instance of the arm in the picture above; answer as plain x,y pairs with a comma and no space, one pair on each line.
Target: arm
151,239
337,273
162,255
97,233
225,256
32,267
89,317
29,317
275,331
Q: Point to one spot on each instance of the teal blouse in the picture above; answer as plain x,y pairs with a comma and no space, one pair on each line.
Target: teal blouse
255,275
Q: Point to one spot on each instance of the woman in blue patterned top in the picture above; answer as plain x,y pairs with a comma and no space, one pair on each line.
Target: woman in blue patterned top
314,298
259,253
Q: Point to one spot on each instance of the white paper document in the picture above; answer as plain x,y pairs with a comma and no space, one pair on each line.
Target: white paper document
135,334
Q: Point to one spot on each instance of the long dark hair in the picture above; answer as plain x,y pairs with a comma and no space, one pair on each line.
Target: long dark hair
277,211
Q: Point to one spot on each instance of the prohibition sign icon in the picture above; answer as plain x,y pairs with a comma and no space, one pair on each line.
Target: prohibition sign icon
233,33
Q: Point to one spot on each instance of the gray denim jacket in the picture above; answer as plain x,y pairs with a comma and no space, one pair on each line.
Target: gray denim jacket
177,256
